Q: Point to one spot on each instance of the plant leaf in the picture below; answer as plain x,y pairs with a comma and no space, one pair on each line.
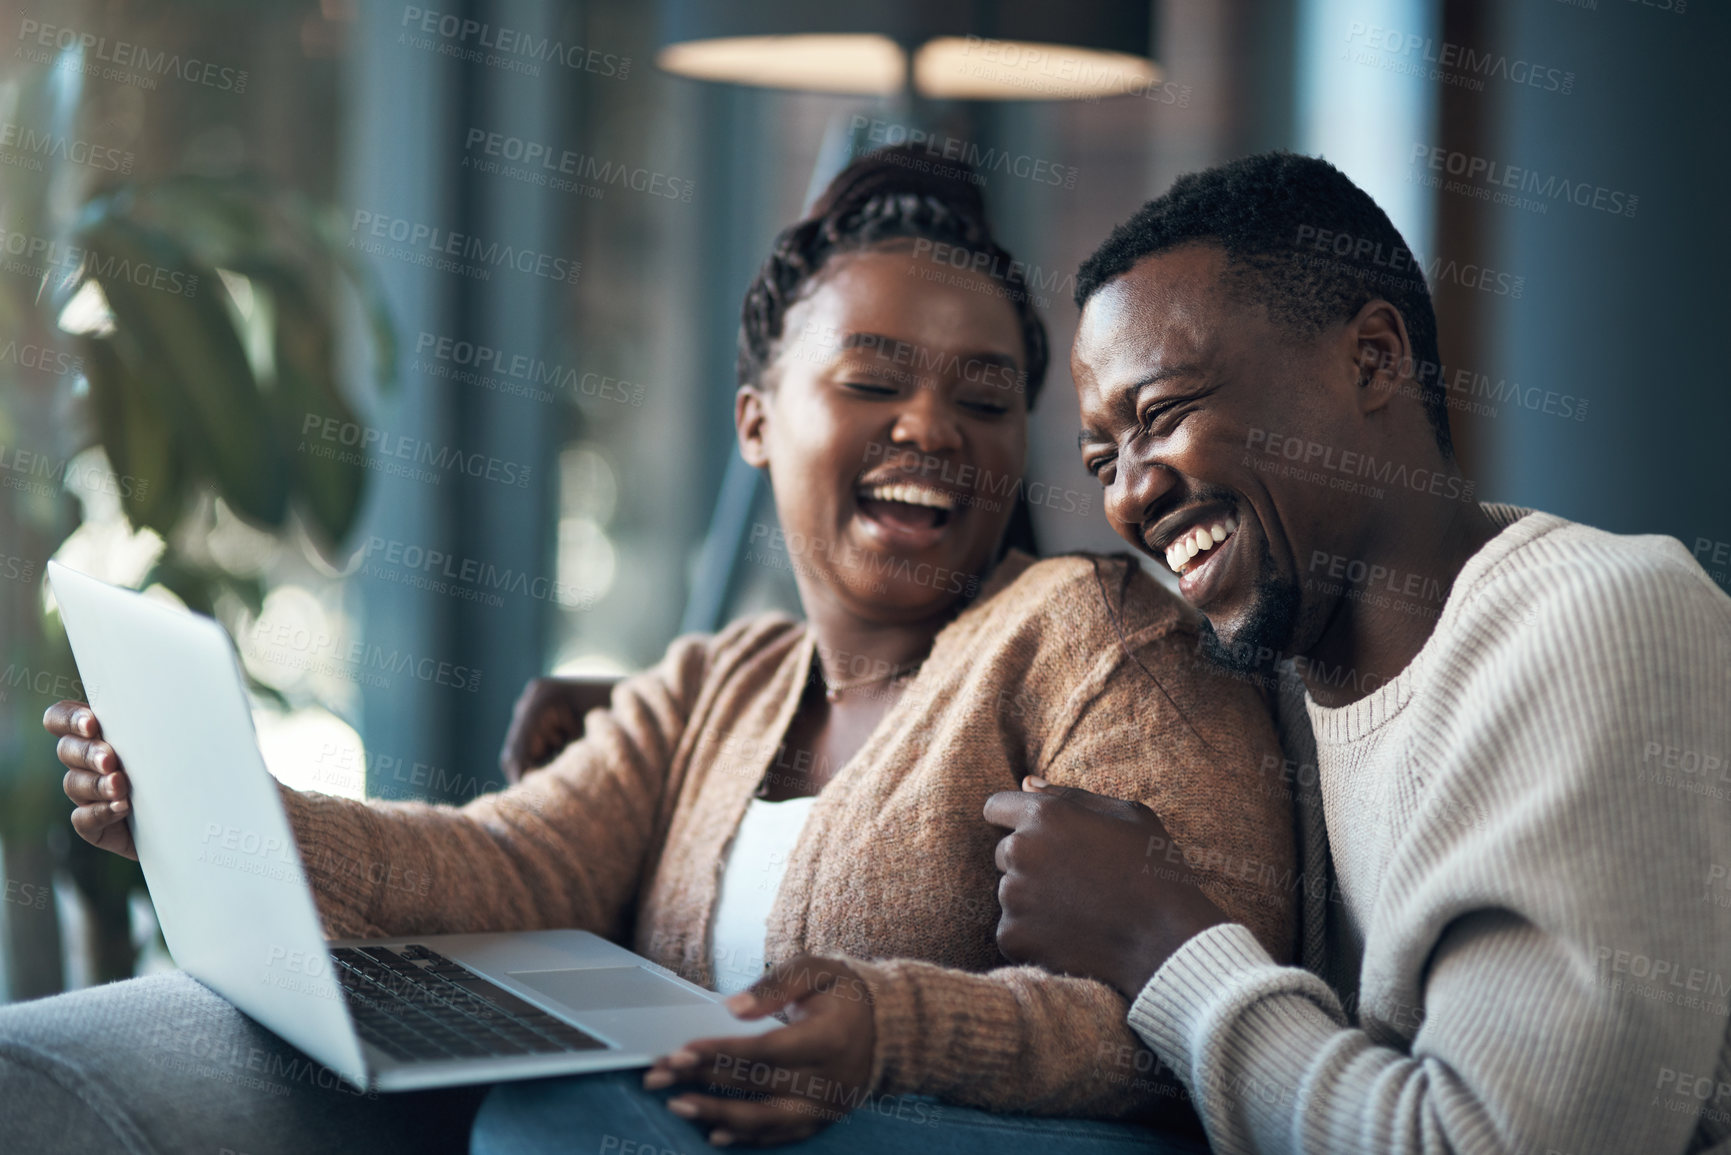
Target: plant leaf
327,489
137,436
192,340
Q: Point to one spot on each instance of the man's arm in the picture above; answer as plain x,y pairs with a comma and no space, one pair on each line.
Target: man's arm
1560,968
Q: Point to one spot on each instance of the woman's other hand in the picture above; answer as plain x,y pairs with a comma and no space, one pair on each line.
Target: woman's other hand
788,1084
95,780
544,721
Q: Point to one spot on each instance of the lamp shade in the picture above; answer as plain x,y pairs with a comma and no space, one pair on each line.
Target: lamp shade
944,49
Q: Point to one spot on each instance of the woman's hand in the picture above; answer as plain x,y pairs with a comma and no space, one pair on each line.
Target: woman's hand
543,722
95,781
788,1084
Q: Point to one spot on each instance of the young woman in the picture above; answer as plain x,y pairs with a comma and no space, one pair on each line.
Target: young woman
806,795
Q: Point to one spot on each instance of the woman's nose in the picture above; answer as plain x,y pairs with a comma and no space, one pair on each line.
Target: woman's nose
926,423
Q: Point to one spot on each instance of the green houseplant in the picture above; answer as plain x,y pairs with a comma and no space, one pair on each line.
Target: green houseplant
201,318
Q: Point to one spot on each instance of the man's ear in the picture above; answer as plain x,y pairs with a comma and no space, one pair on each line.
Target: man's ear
1382,353
750,421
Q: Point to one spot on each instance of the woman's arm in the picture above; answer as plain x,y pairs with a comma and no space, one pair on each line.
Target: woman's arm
1017,1039
562,848
1195,750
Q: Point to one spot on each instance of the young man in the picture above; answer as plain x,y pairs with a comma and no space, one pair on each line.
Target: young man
1508,734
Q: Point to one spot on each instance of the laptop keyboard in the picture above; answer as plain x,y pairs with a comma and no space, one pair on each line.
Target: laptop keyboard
416,1005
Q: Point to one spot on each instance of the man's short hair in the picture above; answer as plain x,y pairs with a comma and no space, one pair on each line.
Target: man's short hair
1301,240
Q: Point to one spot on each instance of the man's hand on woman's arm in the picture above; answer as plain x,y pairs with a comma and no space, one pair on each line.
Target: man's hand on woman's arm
1092,886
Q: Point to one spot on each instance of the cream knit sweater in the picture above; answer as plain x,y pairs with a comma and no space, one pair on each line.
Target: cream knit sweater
1527,927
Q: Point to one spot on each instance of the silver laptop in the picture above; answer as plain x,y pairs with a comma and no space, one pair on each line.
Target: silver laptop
237,912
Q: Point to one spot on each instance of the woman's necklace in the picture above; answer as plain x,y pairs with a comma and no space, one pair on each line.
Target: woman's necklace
834,690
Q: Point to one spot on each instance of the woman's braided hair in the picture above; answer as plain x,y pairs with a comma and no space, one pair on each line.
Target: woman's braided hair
887,195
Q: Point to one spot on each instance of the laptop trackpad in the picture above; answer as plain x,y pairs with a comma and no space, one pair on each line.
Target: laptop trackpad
607,988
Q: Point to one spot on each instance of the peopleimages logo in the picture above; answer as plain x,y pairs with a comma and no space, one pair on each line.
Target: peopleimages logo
17,569
24,147
1463,388
509,48
909,363
287,646
1348,463
40,473
41,358
1454,64
979,486
1366,255
1037,280
1040,69
34,256
356,444
517,374
1486,179
445,250
43,683
35,37
941,147
562,170
409,562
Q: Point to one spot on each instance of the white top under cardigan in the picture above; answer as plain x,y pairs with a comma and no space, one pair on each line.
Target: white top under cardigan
756,860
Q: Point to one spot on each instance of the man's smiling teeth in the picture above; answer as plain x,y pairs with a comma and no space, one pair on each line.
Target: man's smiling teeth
910,495
1200,540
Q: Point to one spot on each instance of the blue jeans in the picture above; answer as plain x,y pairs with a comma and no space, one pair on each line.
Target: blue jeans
613,1115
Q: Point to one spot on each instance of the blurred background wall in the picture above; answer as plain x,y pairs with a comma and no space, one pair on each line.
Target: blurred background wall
549,433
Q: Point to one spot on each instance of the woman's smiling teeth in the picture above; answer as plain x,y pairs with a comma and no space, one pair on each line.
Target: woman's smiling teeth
910,495
1199,540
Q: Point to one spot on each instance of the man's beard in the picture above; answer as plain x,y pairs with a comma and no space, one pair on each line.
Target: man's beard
1266,635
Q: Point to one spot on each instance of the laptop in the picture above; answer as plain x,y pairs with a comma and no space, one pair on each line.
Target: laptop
237,912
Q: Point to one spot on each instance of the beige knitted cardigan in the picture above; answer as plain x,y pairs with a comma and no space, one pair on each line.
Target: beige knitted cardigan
624,833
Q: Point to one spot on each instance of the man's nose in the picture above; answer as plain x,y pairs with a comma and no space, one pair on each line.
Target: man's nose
1137,485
